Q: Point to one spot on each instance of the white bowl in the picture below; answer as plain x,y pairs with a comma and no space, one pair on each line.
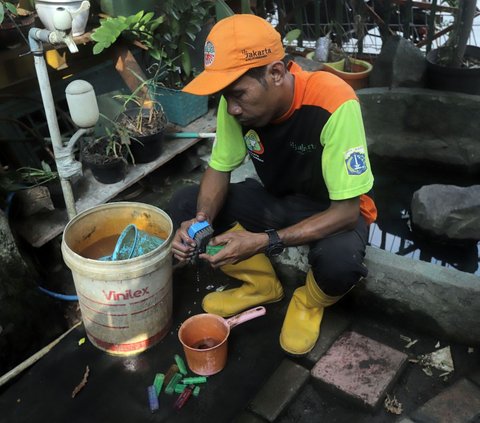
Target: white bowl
46,8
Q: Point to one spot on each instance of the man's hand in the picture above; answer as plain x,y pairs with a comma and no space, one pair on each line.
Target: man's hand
238,246
183,246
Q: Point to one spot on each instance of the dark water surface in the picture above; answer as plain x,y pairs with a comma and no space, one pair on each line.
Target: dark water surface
395,183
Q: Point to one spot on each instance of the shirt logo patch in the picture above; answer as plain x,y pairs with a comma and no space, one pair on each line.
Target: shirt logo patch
355,161
253,144
209,53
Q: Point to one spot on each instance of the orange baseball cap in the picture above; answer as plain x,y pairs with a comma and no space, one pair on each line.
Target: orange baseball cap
235,45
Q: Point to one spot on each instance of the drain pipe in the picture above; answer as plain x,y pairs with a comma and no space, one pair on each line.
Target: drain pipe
67,167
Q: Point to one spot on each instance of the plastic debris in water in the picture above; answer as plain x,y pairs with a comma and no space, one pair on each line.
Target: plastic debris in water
152,399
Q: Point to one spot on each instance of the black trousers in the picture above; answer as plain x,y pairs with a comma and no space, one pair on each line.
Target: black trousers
336,261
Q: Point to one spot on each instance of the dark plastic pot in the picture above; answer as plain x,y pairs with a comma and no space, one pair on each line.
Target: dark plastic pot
444,78
147,149
109,173
9,34
56,192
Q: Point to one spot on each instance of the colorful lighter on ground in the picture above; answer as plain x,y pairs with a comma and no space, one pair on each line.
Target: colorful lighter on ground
172,370
200,232
171,385
183,397
181,364
152,399
194,380
158,383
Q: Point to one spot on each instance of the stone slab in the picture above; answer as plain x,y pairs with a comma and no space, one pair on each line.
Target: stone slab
334,323
247,417
360,369
475,377
460,403
279,390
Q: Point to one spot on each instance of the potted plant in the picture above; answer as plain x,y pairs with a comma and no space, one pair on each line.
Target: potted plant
145,122
455,65
352,70
169,40
44,180
15,22
107,155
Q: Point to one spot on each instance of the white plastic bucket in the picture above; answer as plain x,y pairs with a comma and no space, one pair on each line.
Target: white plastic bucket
126,305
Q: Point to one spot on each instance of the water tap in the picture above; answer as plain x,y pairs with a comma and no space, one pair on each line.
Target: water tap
62,22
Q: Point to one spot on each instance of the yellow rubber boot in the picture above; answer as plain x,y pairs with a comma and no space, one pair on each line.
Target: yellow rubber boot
301,326
260,286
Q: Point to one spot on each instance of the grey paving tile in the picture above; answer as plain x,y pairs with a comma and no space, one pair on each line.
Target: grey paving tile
248,417
475,377
279,390
460,403
335,322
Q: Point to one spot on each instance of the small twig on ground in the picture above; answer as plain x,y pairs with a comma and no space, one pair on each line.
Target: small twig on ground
80,386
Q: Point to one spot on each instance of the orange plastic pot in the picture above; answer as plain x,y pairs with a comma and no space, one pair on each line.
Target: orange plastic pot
357,78
204,339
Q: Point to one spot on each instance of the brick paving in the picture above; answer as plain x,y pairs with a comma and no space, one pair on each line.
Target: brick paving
460,403
359,368
279,390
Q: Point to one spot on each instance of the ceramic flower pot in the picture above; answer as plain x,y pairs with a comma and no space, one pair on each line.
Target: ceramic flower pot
46,8
357,78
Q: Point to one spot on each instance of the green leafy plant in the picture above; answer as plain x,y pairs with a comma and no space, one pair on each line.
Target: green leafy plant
141,115
26,177
112,144
140,27
5,8
167,38
32,177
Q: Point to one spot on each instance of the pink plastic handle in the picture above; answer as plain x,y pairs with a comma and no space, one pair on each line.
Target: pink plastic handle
245,316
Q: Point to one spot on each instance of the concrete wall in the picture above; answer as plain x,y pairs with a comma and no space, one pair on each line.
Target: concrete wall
438,300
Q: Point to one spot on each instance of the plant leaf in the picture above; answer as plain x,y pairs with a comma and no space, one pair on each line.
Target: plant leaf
292,35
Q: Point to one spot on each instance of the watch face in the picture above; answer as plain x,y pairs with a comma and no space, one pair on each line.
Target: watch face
275,250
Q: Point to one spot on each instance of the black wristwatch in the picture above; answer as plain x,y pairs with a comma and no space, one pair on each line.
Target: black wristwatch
275,245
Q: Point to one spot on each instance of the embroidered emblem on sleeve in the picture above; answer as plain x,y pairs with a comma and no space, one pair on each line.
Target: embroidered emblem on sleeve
355,161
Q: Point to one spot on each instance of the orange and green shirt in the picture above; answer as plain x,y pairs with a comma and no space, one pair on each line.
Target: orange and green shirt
317,148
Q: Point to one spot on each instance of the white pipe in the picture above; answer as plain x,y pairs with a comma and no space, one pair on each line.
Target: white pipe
35,36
